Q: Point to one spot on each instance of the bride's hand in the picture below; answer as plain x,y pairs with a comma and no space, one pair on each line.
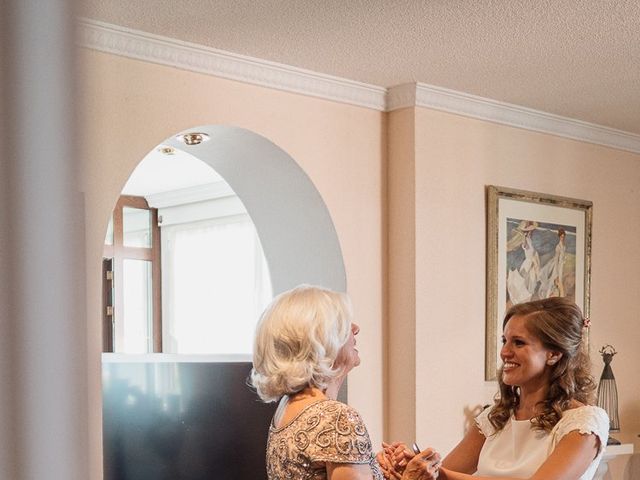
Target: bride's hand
423,466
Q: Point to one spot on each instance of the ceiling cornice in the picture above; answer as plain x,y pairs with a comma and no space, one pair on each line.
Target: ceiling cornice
144,46
438,98
188,56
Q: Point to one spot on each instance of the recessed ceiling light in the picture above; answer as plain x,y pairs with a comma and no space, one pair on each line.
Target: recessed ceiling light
193,138
165,150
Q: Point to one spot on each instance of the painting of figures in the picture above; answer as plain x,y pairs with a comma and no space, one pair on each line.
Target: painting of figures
541,261
538,246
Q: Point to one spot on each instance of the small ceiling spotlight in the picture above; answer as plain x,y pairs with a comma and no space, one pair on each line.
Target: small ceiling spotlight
193,138
165,150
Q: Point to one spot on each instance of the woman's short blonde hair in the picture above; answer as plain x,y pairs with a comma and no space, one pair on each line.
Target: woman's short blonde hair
298,339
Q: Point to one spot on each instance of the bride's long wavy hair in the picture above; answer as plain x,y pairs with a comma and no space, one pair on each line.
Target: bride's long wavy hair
558,323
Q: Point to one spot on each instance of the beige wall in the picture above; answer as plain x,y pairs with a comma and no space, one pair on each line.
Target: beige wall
455,158
131,106
400,413
406,193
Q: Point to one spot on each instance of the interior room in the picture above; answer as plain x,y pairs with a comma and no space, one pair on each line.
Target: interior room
359,139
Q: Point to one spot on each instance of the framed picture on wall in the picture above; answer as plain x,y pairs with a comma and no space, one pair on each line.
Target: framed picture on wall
538,246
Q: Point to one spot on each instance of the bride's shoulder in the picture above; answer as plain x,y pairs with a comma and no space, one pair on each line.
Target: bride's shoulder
581,411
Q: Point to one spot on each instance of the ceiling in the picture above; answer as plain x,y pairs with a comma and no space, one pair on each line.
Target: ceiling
578,59
160,172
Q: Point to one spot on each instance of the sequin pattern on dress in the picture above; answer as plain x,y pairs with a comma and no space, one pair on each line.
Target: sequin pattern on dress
325,431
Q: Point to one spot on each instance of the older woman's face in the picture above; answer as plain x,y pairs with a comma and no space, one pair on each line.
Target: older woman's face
348,357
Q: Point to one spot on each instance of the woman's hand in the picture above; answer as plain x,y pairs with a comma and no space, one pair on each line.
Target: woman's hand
386,461
393,459
388,471
402,455
423,466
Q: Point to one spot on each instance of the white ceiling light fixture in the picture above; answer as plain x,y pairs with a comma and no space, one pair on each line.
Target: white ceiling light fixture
165,150
193,138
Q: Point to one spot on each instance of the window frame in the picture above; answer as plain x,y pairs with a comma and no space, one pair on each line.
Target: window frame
113,270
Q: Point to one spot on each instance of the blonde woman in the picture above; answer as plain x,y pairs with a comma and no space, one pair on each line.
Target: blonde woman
304,347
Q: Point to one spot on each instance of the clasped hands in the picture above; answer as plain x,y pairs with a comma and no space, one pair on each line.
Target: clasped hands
398,462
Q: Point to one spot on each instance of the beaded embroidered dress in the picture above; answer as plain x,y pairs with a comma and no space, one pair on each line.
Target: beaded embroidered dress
325,431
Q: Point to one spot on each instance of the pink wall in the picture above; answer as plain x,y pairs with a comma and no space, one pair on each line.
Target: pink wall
400,413
406,193
455,158
131,106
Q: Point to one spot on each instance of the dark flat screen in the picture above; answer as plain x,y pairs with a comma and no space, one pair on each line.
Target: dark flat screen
182,420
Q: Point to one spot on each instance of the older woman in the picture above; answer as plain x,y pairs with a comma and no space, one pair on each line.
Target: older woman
542,425
304,347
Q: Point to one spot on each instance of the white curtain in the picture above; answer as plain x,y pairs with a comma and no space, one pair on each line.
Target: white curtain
215,286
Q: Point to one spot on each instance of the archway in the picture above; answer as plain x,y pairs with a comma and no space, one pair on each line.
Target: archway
170,398
296,231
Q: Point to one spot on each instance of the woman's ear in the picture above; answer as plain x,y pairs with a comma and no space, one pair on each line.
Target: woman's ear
553,357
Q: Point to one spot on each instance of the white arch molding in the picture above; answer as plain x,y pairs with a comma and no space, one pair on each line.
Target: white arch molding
297,234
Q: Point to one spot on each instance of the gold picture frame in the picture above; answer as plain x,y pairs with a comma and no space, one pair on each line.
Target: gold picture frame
538,246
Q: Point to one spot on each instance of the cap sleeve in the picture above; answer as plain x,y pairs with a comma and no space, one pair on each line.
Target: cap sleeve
342,436
483,423
586,420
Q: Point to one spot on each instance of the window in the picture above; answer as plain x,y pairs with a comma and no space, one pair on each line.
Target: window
189,278
132,320
216,285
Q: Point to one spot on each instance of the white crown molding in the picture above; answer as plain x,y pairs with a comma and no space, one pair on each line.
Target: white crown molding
187,56
516,116
401,96
182,196
144,46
